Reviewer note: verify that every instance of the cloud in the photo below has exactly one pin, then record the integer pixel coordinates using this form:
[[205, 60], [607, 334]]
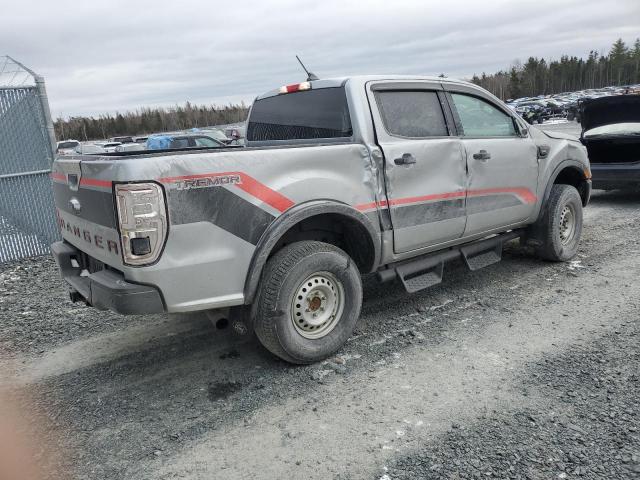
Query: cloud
[[103, 56]]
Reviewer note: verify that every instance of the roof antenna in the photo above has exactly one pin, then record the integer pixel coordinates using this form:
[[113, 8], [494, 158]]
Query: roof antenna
[[310, 75]]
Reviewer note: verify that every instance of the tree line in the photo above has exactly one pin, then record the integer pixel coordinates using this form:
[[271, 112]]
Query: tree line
[[148, 120], [621, 66]]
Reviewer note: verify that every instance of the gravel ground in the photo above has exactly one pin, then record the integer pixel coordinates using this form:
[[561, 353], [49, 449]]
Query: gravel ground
[[525, 369], [585, 427]]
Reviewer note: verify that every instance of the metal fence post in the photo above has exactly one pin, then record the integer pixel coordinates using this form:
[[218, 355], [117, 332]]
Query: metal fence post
[[44, 102]]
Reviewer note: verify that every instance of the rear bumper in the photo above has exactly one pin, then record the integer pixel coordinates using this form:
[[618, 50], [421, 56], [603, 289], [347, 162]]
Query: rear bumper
[[608, 176], [105, 289]]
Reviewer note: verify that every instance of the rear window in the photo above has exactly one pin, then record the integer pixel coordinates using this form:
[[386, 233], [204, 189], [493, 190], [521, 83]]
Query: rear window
[[311, 114], [72, 144]]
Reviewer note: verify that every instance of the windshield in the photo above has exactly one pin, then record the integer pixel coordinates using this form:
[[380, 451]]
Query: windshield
[[310, 114]]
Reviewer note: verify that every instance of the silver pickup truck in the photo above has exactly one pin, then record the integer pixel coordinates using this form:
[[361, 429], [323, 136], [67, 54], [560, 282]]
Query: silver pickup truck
[[340, 177]]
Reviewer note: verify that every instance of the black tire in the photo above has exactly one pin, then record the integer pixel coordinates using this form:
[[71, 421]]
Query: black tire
[[558, 244], [282, 283]]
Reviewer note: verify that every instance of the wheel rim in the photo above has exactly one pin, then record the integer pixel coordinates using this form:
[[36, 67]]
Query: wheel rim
[[567, 224], [317, 305]]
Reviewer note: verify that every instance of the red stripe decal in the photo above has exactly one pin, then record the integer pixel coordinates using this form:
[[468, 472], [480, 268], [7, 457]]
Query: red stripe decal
[[249, 184], [84, 182], [92, 182], [264, 193], [425, 198], [58, 177], [371, 205], [526, 195]]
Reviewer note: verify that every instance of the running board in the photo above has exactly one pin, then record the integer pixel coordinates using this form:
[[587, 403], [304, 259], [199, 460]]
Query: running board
[[414, 282], [477, 260], [425, 271]]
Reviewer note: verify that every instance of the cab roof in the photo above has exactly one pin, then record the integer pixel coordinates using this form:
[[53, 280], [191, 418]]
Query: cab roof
[[363, 79]]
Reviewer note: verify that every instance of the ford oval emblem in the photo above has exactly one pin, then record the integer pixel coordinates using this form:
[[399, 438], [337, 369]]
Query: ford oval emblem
[[75, 205]]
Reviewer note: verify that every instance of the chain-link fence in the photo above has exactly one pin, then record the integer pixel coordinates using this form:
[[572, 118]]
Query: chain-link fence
[[27, 145]]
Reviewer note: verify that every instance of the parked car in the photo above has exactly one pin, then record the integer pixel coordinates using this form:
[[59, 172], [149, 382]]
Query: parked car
[[217, 134], [173, 142], [130, 147], [531, 113], [236, 134], [108, 146], [611, 133], [89, 149], [67, 147], [340, 177], [125, 139]]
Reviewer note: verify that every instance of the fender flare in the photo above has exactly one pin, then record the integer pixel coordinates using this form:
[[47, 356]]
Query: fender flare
[[567, 163], [291, 217]]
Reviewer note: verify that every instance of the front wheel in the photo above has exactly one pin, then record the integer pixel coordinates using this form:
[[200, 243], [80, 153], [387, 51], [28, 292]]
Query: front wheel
[[561, 224], [308, 302]]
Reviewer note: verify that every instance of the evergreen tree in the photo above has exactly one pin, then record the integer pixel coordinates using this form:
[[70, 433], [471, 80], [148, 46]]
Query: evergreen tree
[[539, 76]]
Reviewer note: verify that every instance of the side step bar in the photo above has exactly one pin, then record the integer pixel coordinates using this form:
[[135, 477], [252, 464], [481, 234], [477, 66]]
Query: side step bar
[[425, 271]]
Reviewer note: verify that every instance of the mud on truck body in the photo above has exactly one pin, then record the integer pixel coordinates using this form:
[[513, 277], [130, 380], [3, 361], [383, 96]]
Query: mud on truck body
[[341, 177]]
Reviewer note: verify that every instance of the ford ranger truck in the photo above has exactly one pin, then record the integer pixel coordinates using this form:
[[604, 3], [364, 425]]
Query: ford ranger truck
[[392, 175]]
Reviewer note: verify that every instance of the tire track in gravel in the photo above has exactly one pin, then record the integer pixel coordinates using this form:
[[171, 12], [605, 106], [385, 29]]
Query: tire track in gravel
[[202, 406], [388, 409]]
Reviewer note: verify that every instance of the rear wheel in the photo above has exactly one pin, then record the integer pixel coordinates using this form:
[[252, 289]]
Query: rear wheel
[[561, 224], [308, 302]]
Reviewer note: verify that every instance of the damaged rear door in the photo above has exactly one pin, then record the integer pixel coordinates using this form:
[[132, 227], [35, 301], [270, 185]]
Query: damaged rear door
[[425, 172]]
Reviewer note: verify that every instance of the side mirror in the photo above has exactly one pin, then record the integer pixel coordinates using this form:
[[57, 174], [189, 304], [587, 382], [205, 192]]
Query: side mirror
[[524, 131]]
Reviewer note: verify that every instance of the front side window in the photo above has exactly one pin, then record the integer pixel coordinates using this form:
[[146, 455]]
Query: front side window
[[311, 114], [478, 118], [415, 114]]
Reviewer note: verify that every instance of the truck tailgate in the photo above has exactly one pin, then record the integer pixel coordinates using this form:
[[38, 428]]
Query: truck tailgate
[[85, 211]]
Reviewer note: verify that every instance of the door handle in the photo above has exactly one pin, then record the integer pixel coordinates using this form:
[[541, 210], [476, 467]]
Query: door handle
[[482, 155], [405, 159]]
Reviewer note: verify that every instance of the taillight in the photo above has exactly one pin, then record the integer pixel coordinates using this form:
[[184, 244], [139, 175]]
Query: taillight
[[143, 221], [296, 87]]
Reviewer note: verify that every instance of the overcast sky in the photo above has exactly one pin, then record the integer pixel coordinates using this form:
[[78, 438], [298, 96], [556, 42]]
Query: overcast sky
[[107, 55]]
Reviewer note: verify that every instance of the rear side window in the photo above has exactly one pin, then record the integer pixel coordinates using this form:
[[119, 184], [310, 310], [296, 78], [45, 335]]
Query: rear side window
[[310, 114], [479, 118], [416, 114]]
